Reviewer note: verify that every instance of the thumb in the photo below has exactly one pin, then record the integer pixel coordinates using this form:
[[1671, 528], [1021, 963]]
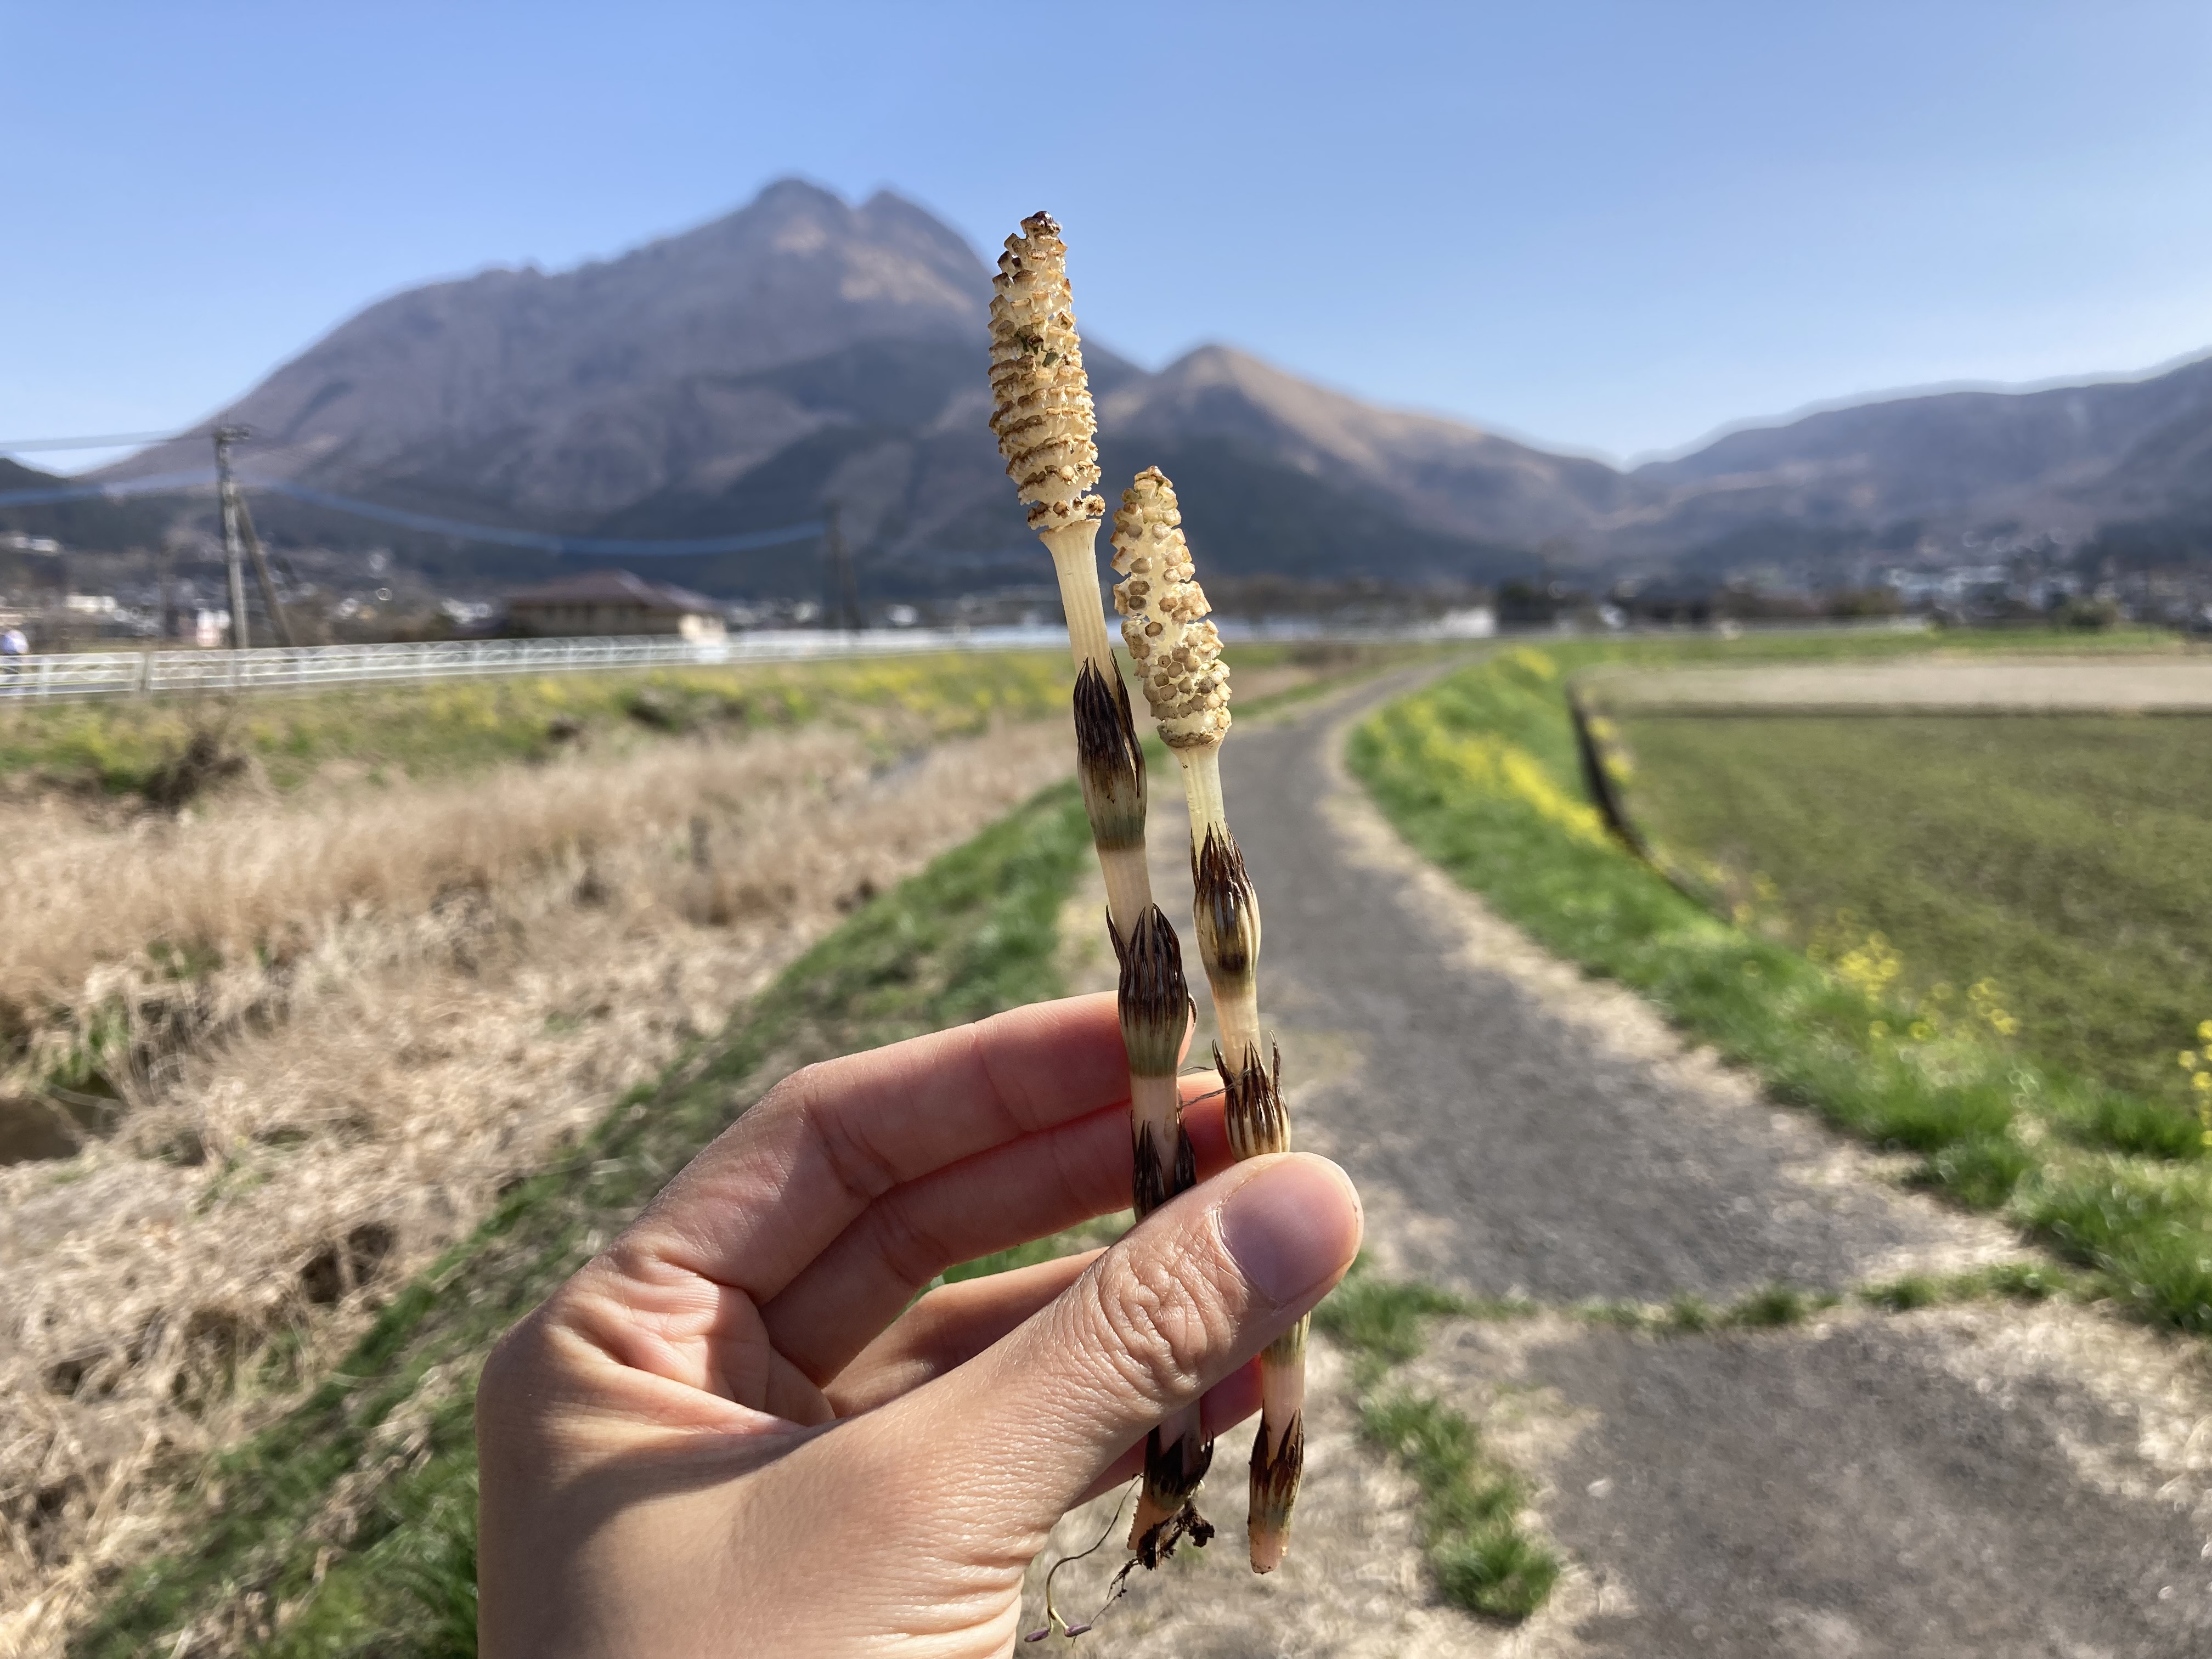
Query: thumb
[[1189, 1296]]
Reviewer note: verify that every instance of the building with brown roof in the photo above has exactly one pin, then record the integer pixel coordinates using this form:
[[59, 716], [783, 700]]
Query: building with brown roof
[[613, 602]]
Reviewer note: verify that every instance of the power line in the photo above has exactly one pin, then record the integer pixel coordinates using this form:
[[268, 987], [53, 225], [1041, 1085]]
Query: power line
[[542, 541], [159, 483], [106, 441]]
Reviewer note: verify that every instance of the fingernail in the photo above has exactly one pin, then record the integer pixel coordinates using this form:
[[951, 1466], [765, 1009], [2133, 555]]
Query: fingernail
[[1285, 1227]]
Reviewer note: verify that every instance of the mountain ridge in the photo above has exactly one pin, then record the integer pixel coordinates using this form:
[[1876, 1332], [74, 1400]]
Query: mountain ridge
[[802, 350]]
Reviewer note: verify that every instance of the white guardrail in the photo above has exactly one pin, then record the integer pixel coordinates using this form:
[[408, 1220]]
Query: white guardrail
[[125, 673], [130, 674]]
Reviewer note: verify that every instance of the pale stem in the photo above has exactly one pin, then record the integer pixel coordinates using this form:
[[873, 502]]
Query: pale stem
[[1128, 886], [1282, 1379], [1075, 560], [1154, 1104], [1202, 790]]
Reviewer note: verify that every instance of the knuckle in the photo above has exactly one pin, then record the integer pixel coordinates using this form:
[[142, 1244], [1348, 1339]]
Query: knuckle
[[503, 1385], [841, 1138], [796, 1093], [913, 1250], [1160, 1318]]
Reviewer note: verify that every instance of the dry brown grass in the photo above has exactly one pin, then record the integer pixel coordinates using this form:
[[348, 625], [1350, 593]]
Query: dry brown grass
[[422, 993]]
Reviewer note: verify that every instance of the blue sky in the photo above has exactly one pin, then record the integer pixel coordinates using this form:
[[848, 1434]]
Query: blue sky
[[1609, 226]]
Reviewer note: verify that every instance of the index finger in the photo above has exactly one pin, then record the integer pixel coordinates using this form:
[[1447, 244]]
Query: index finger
[[783, 1182]]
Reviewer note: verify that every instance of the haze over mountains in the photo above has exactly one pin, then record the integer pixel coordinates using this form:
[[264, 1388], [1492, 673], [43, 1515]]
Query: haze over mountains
[[803, 350]]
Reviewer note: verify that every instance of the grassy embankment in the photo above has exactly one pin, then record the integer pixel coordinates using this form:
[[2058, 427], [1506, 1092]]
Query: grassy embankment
[[278, 1559], [1479, 773], [429, 730], [347, 1527]]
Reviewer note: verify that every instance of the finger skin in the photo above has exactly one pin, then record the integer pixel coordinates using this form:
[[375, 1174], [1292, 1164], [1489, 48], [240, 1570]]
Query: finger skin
[[791, 1175], [624, 1513], [1147, 1328], [1026, 1189], [948, 1328], [955, 1322]]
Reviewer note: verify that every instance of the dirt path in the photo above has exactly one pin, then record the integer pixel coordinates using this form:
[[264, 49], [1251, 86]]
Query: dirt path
[[1991, 1479]]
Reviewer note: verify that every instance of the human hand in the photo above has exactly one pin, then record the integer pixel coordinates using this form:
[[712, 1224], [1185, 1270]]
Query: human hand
[[730, 1434]]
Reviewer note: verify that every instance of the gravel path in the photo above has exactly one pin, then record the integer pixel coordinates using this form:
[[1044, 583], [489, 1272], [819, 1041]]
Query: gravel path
[[1988, 1479]]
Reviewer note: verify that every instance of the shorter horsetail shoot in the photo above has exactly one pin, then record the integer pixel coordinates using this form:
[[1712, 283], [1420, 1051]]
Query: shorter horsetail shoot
[[1177, 651]]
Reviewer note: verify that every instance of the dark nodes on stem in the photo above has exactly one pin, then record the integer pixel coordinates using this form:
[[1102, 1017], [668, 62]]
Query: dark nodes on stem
[[1275, 1478], [1109, 761], [1172, 1472], [1155, 998], [1227, 911], [1253, 1109]]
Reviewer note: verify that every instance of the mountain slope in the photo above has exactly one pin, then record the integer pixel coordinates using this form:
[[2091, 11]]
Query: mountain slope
[[88, 523], [800, 351], [550, 396], [1452, 478], [2064, 460]]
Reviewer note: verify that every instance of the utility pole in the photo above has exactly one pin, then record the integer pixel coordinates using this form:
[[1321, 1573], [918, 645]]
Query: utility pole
[[169, 591], [238, 537], [226, 491], [842, 600]]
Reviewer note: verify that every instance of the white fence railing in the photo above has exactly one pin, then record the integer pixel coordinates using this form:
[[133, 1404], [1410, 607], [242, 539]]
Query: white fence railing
[[118, 673]]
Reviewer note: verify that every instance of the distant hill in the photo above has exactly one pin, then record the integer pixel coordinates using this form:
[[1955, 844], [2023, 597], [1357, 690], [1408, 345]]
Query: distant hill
[[93, 523], [2067, 460], [739, 375], [801, 351]]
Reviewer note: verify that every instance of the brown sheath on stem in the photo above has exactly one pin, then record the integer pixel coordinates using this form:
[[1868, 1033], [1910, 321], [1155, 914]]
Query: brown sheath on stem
[[1155, 1004]]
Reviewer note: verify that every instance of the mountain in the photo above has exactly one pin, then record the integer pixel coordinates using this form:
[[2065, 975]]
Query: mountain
[[803, 350], [85, 523], [2066, 461], [1442, 478], [566, 396]]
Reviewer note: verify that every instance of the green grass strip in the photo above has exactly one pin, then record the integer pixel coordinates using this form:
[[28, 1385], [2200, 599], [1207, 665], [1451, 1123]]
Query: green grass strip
[[1479, 774], [1471, 1504], [277, 1563]]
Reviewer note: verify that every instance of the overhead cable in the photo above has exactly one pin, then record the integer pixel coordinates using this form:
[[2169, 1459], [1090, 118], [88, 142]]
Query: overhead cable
[[498, 535]]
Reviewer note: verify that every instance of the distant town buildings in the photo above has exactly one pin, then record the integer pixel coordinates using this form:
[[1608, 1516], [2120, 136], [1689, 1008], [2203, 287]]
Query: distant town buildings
[[602, 602]]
